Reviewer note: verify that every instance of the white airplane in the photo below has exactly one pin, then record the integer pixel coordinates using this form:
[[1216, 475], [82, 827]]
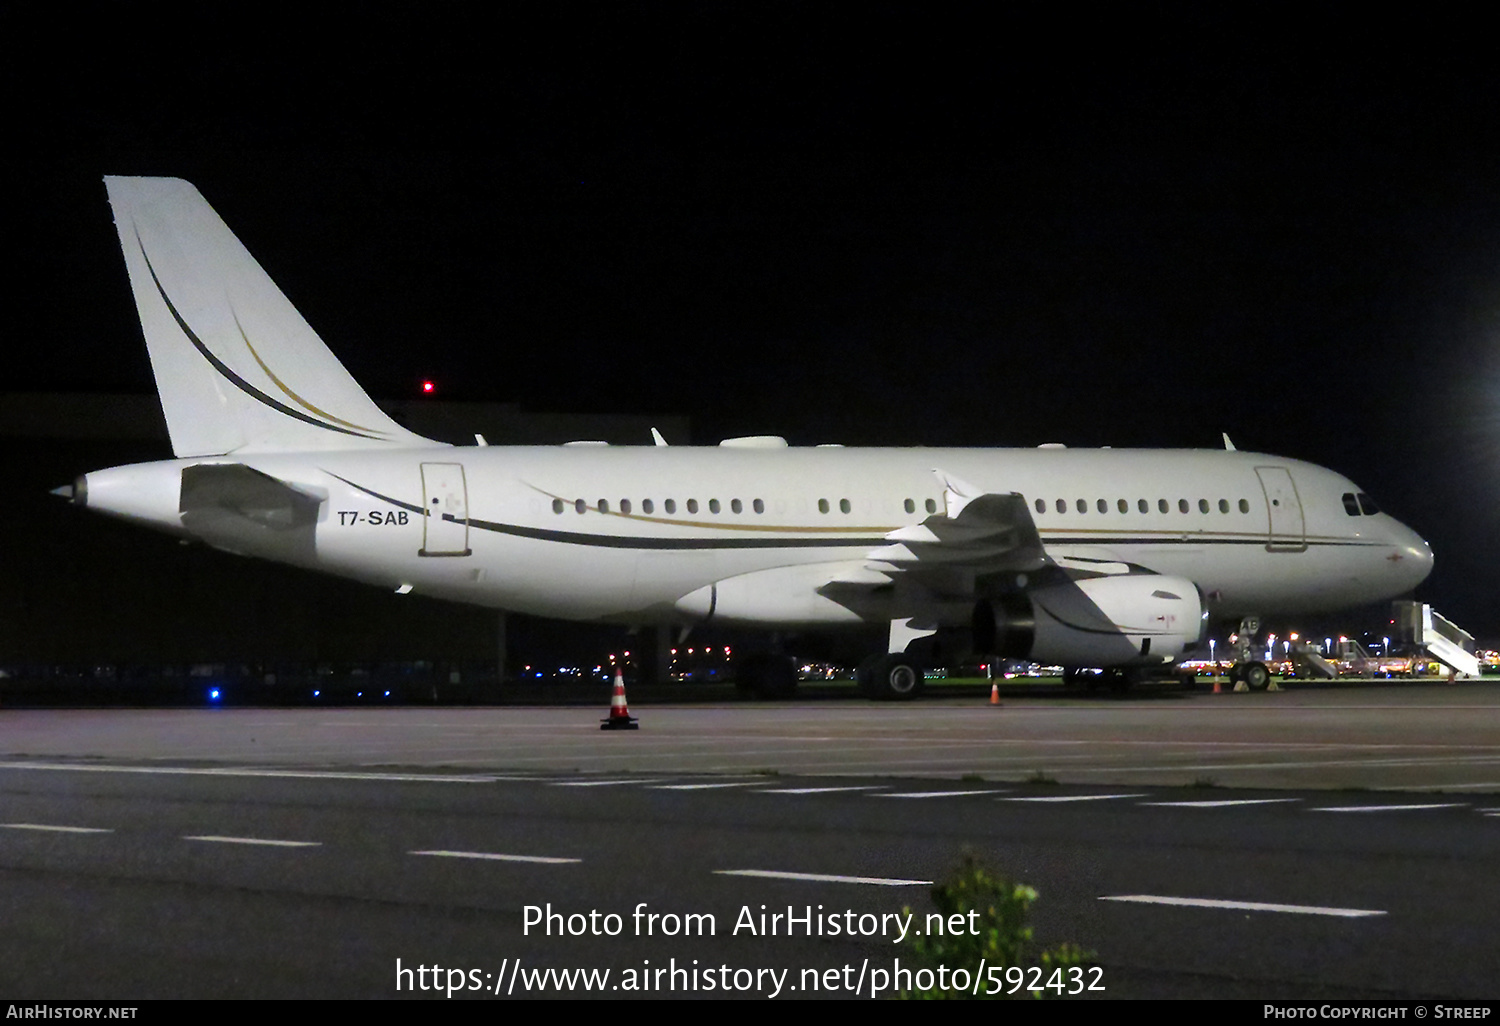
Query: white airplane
[[1101, 558]]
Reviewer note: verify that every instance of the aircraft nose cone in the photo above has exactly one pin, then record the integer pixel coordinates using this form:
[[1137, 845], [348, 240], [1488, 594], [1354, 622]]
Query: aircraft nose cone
[[1412, 555]]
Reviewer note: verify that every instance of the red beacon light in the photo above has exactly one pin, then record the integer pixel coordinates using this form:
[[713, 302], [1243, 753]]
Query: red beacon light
[[428, 387]]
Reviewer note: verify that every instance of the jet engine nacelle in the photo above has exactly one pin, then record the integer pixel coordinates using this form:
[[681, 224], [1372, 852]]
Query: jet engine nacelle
[[1130, 620]]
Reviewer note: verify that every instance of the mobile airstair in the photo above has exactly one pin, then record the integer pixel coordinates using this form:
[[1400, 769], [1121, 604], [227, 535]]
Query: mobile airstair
[[1442, 639]]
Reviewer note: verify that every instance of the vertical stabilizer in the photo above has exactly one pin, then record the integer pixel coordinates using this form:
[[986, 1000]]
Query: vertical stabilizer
[[237, 368]]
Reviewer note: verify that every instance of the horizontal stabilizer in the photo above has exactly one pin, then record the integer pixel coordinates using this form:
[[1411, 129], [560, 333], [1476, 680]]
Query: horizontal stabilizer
[[235, 507]]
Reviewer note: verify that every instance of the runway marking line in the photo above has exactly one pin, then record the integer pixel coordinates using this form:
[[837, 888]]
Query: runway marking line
[[1388, 808], [1221, 803], [193, 771], [56, 829], [772, 874], [818, 790], [496, 857], [602, 783], [936, 794], [1245, 906], [254, 840], [702, 787], [1071, 798]]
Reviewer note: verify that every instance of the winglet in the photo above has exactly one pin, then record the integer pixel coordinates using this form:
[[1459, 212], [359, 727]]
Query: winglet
[[1228, 445], [657, 438], [957, 493]]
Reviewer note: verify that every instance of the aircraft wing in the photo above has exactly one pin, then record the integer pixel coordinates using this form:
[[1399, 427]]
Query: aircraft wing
[[977, 546]]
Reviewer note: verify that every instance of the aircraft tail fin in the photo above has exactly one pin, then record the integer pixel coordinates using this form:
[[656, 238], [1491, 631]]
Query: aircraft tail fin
[[237, 368]]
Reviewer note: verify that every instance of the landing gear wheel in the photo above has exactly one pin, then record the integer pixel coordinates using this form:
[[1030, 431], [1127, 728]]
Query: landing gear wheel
[[1256, 676], [896, 677]]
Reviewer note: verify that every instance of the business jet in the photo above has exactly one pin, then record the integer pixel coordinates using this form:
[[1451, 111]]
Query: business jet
[[1101, 559]]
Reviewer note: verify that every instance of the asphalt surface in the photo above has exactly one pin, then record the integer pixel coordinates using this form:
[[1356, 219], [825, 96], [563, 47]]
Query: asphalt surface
[[294, 854]]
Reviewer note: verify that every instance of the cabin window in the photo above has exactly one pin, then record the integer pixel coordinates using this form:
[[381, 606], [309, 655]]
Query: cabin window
[[1062, 505], [1202, 505], [1143, 506], [624, 505], [1102, 506], [736, 506], [932, 505], [1041, 505], [603, 505], [1244, 505], [1083, 505], [713, 505], [1367, 505], [758, 506], [647, 506], [557, 505], [1161, 505], [1182, 505], [1123, 506], [843, 505], [822, 505], [1223, 505], [670, 505], [911, 507], [692, 505], [580, 505]]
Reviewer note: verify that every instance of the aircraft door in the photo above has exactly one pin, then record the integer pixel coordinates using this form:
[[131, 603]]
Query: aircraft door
[[445, 522], [1287, 528]]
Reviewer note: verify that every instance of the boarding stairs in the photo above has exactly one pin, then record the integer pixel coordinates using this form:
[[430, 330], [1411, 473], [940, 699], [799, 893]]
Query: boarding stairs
[[1310, 662], [1440, 638]]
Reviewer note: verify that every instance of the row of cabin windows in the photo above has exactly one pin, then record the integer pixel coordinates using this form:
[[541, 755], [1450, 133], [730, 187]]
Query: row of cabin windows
[[1142, 505], [1359, 505], [648, 506], [735, 506]]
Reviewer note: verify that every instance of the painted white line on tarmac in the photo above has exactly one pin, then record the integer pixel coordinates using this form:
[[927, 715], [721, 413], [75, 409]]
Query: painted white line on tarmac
[[1245, 906], [1388, 808], [818, 790], [56, 829], [936, 794], [255, 840], [193, 771], [602, 783], [1072, 798], [496, 857], [1221, 804], [702, 787], [771, 874]]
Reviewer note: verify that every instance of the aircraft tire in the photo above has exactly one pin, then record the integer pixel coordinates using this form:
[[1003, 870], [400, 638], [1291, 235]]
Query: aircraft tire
[[1256, 676], [896, 678]]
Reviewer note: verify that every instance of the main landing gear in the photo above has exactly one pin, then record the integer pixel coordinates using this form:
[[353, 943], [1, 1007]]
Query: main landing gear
[[895, 676]]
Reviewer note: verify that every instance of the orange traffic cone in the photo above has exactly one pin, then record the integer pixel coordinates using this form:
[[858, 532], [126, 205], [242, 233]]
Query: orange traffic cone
[[619, 715], [994, 693]]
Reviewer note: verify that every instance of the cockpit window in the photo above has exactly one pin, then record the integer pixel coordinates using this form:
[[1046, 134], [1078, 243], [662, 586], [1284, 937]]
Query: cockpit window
[[1351, 505], [1367, 505]]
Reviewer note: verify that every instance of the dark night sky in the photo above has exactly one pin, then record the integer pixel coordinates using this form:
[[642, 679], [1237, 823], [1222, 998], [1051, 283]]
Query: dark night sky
[[858, 223]]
